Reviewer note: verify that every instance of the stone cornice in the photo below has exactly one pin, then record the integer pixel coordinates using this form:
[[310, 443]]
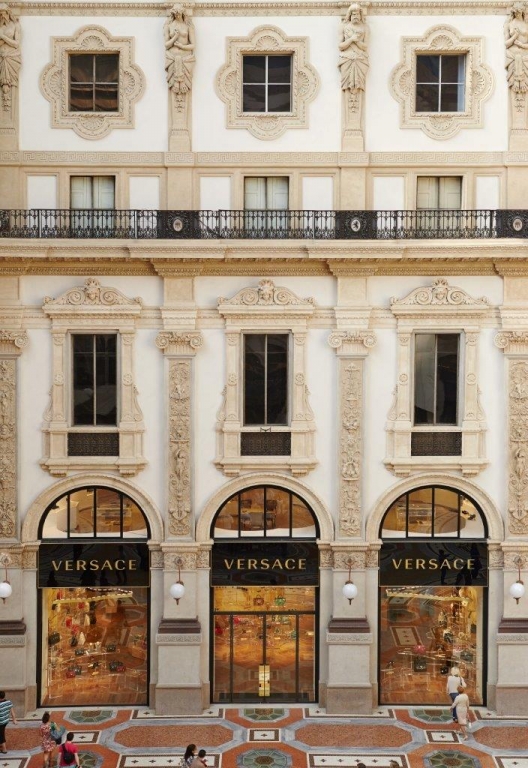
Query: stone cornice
[[277, 8]]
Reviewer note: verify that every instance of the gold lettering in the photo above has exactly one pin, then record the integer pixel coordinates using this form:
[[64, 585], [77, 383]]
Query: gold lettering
[[132, 565], [81, 565], [68, 565], [470, 563], [107, 566], [252, 564], [302, 563], [458, 560], [445, 564], [420, 564], [265, 564], [120, 567], [55, 566], [277, 564], [241, 563], [94, 565], [229, 564], [408, 563], [289, 564], [396, 564], [433, 564]]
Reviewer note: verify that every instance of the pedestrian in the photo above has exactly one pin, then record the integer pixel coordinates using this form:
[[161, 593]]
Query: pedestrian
[[462, 707], [68, 753], [48, 742], [190, 753], [200, 761], [453, 682], [6, 711]]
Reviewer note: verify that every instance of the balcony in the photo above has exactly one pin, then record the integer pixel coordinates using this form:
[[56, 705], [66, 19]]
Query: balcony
[[263, 225]]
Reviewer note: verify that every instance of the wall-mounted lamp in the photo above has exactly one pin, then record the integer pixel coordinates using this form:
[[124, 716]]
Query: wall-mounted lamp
[[6, 590], [517, 590], [349, 588], [177, 589]]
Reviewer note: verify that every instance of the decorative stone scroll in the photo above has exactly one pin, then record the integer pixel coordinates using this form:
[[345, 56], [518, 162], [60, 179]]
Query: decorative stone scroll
[[10, 63], [11, 345], [179, 41], [180, 347], [353, 64], [352, 347]]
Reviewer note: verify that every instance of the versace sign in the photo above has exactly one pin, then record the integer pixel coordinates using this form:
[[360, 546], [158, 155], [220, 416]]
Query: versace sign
[[282, 563], [459, 564], [78, 564]]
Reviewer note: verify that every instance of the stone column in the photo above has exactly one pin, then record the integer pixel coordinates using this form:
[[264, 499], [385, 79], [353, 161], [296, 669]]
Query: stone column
[[353, 64], [179, 42]]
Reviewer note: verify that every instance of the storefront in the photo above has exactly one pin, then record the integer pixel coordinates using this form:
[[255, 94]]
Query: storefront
[[433, 580], [264, 584], [93, 579]]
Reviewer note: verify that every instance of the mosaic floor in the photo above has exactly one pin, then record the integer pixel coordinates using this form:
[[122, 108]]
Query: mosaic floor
[[258, 737]]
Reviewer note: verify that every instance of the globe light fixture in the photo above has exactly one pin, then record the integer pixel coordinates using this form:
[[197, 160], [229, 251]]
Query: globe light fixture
[[6, 590], [349, 588], [517, 589], [177, 589]]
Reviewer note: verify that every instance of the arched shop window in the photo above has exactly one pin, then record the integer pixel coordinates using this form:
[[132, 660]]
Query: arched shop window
[[433, 579], [265, 512], [93, 513], [434, 511]]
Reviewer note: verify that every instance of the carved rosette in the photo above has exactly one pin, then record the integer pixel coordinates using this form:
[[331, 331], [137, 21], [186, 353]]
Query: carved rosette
[[187, 561], [11, 345], [180, 523], [356, 560]]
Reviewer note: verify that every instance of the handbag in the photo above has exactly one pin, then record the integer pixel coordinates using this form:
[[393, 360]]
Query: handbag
[[54, 638], [57, 732], [73, 641]]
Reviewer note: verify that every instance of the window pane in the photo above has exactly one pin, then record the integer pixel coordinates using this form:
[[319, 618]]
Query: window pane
[[427, 69], [107, 68], [108, 512], [279, 69], [254, 69], [452, 69], [106, 373], [254, 378], [279, 98], [83, 379], [471, 524], [420, 512], [106, 98], [226, 523], [81, 68], [81, 98], [277, 512], [424, 378], [81, 513], [254, 98], [445, 513], [427, 98], [134, 523], [394, 521], [56, 522], [302, 519], [447, 379], [277, 382], [252, 512], [452, 99]]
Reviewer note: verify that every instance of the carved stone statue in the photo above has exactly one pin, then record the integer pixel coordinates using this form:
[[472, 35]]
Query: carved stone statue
[[516, 35], [179, 38], [10, 57], [353, 57]]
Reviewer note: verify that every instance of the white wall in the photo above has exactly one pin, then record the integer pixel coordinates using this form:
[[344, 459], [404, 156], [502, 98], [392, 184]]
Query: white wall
[[144, 192], [487, 192], [209, 112], [318, 193], [388, 193], [215, 193], [41, 192], [151, 126], [382, 114]]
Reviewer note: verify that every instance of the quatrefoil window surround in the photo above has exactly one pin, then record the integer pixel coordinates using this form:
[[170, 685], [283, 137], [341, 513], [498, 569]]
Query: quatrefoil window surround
[[54, 82], [478, 82], [267, 40]]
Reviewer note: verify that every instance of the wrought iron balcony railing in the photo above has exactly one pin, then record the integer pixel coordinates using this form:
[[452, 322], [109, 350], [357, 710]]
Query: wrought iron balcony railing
[[263, 225]]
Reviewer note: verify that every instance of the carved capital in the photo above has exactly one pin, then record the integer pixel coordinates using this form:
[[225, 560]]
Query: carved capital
[[515, 342], [12, 342], [179, 343], [352, 342]]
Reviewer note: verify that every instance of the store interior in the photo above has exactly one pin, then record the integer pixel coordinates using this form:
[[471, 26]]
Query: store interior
[[424, 633], [94, 646]]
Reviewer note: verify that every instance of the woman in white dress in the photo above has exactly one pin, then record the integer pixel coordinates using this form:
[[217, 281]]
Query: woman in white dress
[[462, 708]]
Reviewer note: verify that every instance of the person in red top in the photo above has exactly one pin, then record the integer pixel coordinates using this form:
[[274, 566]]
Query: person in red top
[[68, 754]]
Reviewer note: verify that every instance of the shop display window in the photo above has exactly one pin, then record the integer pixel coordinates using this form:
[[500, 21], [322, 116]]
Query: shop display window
[[94, 646]]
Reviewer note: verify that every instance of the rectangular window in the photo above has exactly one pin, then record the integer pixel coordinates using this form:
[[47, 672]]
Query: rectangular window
[[439, 192], [263, 193], [266, 83], [92, 193], [94, 379], [266, 379], [94, 82], [440, 83], [436, 361]]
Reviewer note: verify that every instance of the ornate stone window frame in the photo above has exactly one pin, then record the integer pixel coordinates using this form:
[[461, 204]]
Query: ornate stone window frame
[[439, 308], [479, 82], [267, 39], [92, 308], [55, 87], [274, 309]]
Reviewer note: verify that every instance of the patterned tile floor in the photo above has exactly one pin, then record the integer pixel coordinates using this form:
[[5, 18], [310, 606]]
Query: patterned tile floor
[[260, 737]]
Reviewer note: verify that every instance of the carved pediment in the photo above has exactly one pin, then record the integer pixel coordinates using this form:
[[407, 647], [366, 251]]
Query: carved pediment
[[89, 296], [438, 295], [266, 294]]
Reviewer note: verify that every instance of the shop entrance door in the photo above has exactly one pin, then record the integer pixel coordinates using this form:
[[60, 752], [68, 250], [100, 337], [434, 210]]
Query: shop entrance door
[[264, 655]]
